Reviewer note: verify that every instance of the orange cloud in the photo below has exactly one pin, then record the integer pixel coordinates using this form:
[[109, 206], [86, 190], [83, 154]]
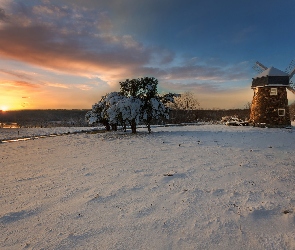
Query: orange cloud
[[18, 84]]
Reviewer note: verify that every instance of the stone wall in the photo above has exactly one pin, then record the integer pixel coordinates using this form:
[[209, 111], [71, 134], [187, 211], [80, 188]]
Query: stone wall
[[265, 107]]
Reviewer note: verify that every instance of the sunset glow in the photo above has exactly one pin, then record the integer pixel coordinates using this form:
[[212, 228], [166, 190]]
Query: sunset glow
[[67, 54], [4, 108]]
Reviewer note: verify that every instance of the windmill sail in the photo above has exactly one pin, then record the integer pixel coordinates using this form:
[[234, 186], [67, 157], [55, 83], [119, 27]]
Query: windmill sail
[[259, 67], [291, 71], [290, 67], [291, 89], [291, 74]]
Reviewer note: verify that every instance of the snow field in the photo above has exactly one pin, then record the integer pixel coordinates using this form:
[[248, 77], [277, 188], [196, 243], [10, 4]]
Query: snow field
[[193, 187]]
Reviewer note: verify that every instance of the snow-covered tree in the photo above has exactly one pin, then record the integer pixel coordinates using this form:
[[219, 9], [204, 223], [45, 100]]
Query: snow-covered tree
[[98, 114], [169, 98], [153, 109], [135, 90], [152, 105], [137, 102], [125, 110]]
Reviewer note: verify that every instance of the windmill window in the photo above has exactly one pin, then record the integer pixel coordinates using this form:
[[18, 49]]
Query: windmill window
[[281, 112], [273, 91]]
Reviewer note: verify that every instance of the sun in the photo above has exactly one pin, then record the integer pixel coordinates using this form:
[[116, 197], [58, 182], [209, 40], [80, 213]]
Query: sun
[[4, 108]]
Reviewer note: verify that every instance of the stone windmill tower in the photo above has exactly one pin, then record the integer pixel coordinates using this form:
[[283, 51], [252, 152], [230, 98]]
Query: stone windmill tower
[[270, 103]]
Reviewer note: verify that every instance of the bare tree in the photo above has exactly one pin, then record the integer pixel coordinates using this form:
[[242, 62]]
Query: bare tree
[[186, 101], [248, 105]]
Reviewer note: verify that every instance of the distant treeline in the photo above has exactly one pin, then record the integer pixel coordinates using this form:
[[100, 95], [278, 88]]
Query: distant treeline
[[76, 118], [45, 118], [189, 116]]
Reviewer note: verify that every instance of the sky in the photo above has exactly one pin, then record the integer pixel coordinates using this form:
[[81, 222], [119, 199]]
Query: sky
[[66, 54]]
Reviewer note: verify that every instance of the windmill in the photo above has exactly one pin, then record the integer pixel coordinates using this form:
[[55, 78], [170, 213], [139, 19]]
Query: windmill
[[270, 103]]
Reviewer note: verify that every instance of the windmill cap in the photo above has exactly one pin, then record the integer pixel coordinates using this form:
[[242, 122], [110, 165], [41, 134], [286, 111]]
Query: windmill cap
[[271, 72]]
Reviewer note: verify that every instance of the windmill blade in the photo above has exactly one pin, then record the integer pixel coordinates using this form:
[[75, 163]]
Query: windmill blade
[[291, 89], [290, 67], [261, 66], [291, 74], [257, 69]]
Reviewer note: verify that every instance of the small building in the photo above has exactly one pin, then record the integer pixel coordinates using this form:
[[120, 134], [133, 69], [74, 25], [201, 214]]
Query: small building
[[270, 103]]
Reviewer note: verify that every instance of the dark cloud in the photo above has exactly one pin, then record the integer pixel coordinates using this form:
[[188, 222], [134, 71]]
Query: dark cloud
[[39, 45], [71, 39], [207, 72], [3, 16], [193, 72], [192, 87]]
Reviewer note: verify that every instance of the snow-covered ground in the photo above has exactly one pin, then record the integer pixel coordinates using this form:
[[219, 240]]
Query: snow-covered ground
[[190, 187], [14, 133]]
